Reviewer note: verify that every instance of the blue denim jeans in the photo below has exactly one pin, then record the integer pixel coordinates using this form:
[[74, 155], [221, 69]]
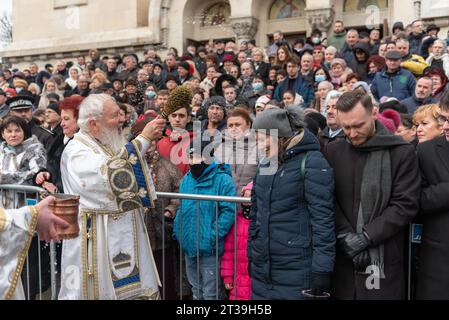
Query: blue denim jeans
[[204, 284]]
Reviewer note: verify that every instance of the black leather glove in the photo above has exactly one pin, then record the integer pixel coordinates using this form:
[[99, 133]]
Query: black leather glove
[[320, 284], [354, 243], [361, 261]]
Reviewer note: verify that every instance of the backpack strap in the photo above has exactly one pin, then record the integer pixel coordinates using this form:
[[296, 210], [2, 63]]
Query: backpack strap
[[303, 167]]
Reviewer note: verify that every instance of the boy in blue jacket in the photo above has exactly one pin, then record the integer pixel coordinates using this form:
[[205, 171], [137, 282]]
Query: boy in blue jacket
[[199, 232]]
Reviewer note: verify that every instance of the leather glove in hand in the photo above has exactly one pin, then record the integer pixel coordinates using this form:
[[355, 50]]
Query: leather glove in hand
[[354, 243]]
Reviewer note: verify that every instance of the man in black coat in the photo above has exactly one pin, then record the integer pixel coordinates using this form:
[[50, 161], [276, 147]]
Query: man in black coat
[[433, 276], [261, 68], [377, 186], [333, 131]]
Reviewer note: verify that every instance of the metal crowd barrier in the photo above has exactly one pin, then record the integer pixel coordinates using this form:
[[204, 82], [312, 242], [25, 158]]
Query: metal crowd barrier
[[199, 198], [15, 197], [27, 195]]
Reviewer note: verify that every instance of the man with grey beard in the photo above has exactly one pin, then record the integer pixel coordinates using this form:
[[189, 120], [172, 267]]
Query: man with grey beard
[[111, 259]]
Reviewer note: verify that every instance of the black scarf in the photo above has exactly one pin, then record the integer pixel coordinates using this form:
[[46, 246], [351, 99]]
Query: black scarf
[[376, 184]]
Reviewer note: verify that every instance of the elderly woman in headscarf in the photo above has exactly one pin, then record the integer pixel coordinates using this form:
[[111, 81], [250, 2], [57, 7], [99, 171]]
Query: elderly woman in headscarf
[[339, 71], [291, 242], [74, 73], [439, 58]]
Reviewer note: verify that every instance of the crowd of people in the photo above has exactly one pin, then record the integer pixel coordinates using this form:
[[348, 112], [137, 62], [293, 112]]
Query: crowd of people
[[340, 143]]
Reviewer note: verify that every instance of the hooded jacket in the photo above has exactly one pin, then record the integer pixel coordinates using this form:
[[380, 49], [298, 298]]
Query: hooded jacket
[[291, 232], [358, 66], [216, 180], [337, 40]]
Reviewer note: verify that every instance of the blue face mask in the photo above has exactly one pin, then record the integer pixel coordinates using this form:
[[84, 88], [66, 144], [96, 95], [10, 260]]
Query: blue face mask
[[151, 94], [258, 86], [18, 90], [320, 78]]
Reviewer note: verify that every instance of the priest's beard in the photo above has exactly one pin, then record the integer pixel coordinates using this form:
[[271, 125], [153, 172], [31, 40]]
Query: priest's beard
[[112, 138]]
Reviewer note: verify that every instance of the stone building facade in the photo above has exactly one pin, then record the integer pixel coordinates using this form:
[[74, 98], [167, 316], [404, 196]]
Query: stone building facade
[[61, 29]]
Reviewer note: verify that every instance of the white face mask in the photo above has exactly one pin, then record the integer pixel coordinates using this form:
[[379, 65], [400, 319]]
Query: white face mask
[[18, 90]]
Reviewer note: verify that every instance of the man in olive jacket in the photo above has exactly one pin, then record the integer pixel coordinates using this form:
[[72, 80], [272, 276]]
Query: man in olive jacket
[[377, 186]]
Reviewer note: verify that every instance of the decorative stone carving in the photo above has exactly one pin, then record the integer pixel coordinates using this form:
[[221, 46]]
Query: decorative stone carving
[[320, 19], [244, 28]]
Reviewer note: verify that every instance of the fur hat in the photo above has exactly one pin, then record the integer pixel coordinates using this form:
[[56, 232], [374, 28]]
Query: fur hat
[[215, 100], [180, 98], [20, 83]]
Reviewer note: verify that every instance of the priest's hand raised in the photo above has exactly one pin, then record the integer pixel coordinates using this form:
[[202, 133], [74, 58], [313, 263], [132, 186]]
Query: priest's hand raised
[[47, 221], [154, 130]]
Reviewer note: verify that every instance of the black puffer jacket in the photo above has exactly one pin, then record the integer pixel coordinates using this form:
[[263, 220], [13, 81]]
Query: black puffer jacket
[[291, 232]]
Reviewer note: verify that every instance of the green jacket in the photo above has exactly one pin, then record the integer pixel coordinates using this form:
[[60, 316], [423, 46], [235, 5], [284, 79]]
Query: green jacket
[[337, 40]]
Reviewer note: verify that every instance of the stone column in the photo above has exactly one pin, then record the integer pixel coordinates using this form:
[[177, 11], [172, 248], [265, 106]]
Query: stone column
[[417, 9], [320, 19], [244, 28]]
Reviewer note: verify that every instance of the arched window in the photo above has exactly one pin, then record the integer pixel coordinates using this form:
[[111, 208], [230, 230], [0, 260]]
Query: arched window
[[283, 9], [216, 15], [361, 5]]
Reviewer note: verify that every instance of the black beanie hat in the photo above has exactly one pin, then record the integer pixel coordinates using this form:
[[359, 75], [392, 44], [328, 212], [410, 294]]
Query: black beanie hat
[[54, 107]]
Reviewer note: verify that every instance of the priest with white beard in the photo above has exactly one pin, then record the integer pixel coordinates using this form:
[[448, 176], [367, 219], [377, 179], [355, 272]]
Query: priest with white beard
[[111, 259]]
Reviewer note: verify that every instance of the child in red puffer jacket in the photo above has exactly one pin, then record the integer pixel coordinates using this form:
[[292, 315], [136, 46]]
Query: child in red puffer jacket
[[228, 258]]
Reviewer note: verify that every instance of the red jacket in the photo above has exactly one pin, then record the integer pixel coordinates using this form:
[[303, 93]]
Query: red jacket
[[180, 157]]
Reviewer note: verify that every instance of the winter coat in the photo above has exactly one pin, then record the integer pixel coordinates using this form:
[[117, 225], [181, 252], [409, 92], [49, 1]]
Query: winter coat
[[241, 155], [337, 40], [216, 180], [167, 178], [347, 54], [433, 278], [400, 84], [300, 86], [19, 165], [415, 41], [43, 135], [262, 70], [357, 66], [389, 229], [325, 137], [54, 155], [413, 103], [415, 64], [444, 61], [291, 232], [227, 260]]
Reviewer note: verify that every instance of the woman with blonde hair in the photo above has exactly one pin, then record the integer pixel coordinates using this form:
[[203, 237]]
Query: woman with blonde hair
[[34, 89], [426, 122], [49, 87], [98, 79]]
